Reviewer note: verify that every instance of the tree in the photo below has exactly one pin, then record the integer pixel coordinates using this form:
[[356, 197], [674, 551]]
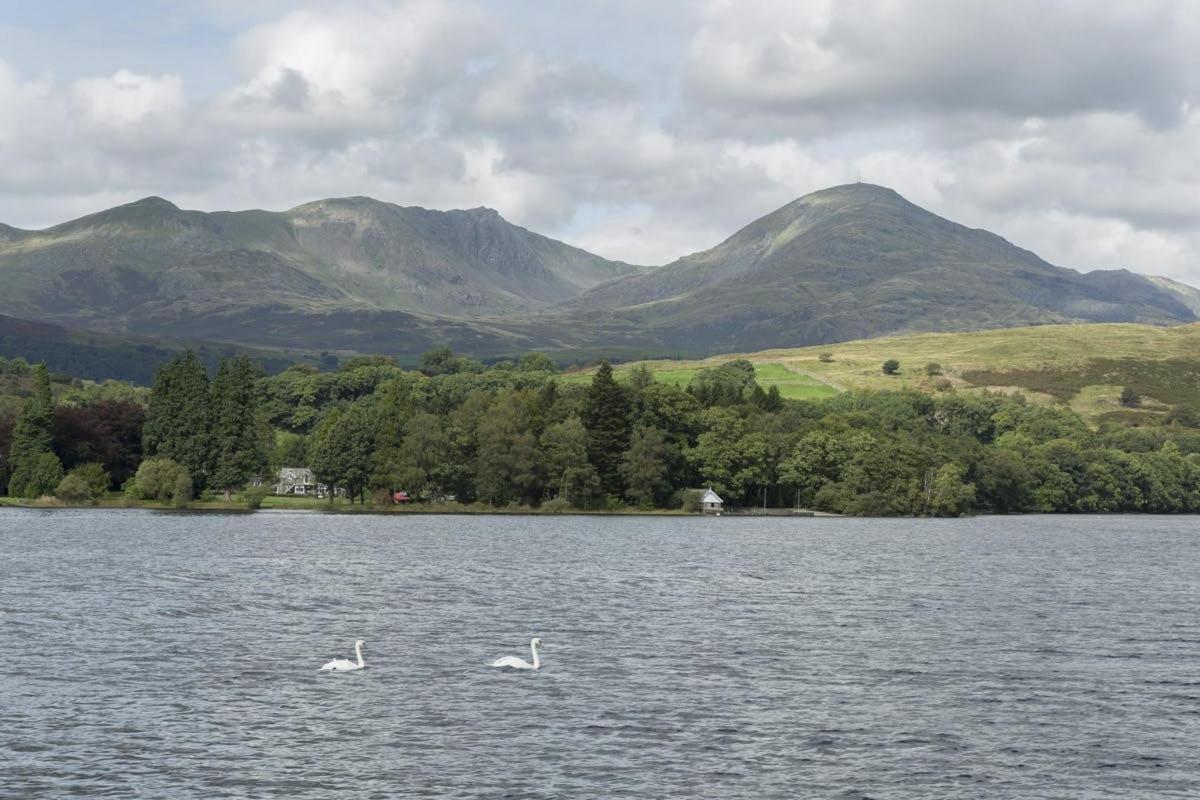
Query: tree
[[107, 432], [644, 467], [641, 376], [35, 475], [725, 385], [507, 462], [238, 442], [606, 417], [340, 449], [729, 457], [891, 366], [536, 362], [931, 369], [36, 470], [178, 417], [949, 494], [1130, 398]]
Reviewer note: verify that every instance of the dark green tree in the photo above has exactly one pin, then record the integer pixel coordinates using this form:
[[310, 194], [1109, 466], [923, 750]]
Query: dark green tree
[[340, 449], [606, 415], [1130, 398], [178, 418], [238, 443], [644, 467], [891, 366], [36, 470]]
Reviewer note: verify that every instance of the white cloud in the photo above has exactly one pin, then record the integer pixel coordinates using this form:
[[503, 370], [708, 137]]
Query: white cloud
[[1068, 127], [126, 99]]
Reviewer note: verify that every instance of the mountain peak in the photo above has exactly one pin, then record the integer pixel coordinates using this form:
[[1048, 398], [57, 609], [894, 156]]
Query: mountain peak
[[153, 201]]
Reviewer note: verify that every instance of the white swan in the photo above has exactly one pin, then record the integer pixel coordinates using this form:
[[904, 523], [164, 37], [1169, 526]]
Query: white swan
[[345, 664], [520, 663]]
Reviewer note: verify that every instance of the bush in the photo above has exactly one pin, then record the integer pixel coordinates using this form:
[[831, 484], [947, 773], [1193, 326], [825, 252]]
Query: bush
[[94, 475], [36, 476], [181, 492], [1130, 398], [933, 368], [162, 480], [825, 358], [557, 505], [253, 496], [891, 366], [689, 500], [74, 489]]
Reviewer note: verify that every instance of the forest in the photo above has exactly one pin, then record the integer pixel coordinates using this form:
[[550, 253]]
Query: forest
[[513, 434]]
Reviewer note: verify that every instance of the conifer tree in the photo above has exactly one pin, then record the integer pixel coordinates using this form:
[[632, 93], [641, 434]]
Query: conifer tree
[[178, 418], [36, 469], [238, 449], [606, 417]]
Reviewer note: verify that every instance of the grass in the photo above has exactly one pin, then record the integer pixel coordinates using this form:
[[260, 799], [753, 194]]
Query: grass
[[1048, 363], [792, 385]]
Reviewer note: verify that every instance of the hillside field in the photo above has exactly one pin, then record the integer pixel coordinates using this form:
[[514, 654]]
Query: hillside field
[[1085, 366]]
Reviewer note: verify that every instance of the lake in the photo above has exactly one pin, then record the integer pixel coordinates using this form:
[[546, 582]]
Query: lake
[[175, 655]]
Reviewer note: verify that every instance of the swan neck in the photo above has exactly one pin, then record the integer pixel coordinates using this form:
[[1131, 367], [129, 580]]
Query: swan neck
[[358, 652], [533, 649]]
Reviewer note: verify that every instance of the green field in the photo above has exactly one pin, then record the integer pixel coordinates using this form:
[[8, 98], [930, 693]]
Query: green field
[[1085, 366]]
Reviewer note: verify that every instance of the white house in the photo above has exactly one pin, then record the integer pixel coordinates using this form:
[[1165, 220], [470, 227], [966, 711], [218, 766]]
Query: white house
[[711, 503], [299, 481]]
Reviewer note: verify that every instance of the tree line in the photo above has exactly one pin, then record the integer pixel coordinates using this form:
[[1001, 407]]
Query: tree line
[[518, 433]]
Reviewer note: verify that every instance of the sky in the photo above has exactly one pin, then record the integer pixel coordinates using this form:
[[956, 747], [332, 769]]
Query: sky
[[641, 131]]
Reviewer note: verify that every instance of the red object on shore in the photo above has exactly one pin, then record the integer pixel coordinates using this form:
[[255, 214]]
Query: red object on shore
[[401, 497]]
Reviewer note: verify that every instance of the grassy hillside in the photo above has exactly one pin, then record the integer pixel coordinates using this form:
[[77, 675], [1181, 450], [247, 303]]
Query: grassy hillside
[[1085, 366]]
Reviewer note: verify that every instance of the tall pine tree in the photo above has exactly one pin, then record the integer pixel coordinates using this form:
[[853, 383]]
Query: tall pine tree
[[36, 469], [606, 415], [238, 444], [178, 417]]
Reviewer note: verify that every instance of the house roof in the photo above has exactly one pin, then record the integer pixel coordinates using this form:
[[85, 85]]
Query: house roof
[[711, 497]]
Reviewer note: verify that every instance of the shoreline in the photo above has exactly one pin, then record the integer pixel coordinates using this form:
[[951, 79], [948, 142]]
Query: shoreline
[[321, 507]]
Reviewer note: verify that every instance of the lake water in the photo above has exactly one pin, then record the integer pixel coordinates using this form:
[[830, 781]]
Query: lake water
[[175, 655]]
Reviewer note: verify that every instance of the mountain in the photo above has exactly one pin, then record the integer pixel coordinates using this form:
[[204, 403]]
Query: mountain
[[359, 275], [860, 261], [151, 267]]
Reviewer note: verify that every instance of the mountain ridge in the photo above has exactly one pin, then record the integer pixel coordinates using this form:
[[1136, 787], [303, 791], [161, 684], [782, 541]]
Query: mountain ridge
[[354, 273]]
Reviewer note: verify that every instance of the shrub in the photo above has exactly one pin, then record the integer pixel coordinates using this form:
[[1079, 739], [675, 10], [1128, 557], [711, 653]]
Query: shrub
[[94, 475], [74, 489], [933, 368], [253, 496], [1130, 398], [689, 500], [557, 505], [891, 366], [163, 480], [825, 358], [181, 492]]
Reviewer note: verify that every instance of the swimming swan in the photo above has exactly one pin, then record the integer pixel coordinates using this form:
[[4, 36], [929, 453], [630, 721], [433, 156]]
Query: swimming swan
[[345, 664], [520, 663]]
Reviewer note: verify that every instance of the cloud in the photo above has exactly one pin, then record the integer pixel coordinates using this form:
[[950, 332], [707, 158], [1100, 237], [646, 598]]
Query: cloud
[[1069, 127], [1019, 58], [126, 99]]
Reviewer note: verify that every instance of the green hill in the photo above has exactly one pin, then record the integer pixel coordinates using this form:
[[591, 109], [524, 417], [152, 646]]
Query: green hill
[[1085, 366]]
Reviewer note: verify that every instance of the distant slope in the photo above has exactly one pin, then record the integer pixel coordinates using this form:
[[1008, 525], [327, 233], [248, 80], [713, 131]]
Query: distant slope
[[100, 357], [858, 261], [151, 267], [1084, 365], [358, 275]]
